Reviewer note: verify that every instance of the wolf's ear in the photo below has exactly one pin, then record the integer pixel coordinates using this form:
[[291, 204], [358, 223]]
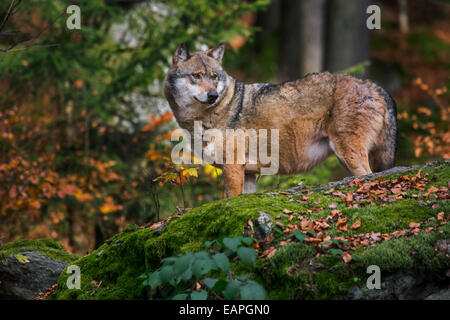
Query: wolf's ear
[[181, 54], [217, 52]]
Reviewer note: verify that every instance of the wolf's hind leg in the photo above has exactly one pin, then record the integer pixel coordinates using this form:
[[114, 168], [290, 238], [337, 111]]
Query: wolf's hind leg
[[234, 179], [353, 157], [250, 183]]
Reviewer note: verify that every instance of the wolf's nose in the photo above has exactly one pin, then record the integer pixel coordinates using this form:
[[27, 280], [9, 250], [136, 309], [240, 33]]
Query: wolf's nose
[[212, 96]]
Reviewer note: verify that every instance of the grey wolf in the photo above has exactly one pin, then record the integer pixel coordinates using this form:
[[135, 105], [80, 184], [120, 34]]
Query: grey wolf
[[317, 115]]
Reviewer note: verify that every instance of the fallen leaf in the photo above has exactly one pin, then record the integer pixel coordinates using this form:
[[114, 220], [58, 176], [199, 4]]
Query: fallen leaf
[[333, 205], [356, 225], [342, 224], [414, 225], [347, 257]]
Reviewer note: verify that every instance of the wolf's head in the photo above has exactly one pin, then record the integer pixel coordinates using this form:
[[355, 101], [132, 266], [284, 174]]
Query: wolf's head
[[196, 79]]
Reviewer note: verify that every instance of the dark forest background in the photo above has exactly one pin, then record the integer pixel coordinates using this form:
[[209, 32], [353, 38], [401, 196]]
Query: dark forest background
[[85, 130]]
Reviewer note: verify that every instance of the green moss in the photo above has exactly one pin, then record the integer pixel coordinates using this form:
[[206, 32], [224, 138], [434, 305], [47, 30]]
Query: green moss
[[47, 247], [223, 218], [291, 254], [293, 272], [391, 217], [416, 252], [117, 264]]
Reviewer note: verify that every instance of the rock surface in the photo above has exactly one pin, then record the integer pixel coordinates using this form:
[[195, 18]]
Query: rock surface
[[28, 267], [26, 278], [414, 265]]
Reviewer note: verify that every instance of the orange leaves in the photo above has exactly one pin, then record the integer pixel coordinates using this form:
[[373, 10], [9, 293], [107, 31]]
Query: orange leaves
[[270, 252], [431, 189], [342, 224], [34, 204], [109, 206], [348, 199], [153, 155], [78, 83], [66, 189], [356, 225], [414, 225], [347, 257], [433, 134], [375, 191], [156, 121]]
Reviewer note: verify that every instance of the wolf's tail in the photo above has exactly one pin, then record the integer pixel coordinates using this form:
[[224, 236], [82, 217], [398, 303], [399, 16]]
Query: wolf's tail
[[383, 157]]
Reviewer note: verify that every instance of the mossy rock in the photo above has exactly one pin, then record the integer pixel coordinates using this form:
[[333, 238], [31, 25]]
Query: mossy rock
[[28, 267], [50, 248], [294, 272]]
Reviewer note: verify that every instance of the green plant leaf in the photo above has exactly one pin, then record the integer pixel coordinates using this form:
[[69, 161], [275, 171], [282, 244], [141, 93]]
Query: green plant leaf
[[199, 295], [187, 275], [201, 255], [252, 291], [336, 252], [210, 282], [356, 257], [247, 255], [220, 285], [222, 261], [154, 280], [277, 230], [300, 236], [181, 296], [247, 241], [231, 290], [166, 274], [232, 243], [143, 276], [242, 277], [209, 243], [21, 258], [182, 263], [311, 233], [201, 267]]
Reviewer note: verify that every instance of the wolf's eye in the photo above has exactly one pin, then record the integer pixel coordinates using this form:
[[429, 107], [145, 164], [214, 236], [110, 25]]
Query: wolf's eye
[[196, 75], [214, 76]]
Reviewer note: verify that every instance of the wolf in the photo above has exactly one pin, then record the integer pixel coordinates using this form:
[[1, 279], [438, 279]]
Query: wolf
[[317, 115]]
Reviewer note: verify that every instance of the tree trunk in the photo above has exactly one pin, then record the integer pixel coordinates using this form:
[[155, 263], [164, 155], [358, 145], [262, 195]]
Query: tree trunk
[[312, 30], [347, 40], [290, 40], [403, 15]]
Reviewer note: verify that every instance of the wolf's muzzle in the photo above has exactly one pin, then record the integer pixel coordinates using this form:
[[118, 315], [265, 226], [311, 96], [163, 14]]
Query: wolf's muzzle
[[212, 96]]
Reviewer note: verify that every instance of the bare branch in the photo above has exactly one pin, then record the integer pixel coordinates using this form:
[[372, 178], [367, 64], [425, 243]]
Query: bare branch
[[11, 10]]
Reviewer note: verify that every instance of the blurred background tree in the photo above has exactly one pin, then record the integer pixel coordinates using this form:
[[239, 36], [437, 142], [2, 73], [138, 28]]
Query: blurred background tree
[[85, 130]]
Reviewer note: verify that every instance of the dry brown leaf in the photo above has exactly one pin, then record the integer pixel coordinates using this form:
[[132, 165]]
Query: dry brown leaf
[[347, 257], [414, 225], [356, 225]]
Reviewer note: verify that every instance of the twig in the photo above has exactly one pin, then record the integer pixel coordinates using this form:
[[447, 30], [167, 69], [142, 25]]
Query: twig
[[214, 293], [30, 47], [9, 13], [14, 44]]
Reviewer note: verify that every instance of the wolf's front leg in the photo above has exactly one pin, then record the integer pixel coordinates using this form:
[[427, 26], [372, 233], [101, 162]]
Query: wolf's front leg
[[250, 183], [234, 179]]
